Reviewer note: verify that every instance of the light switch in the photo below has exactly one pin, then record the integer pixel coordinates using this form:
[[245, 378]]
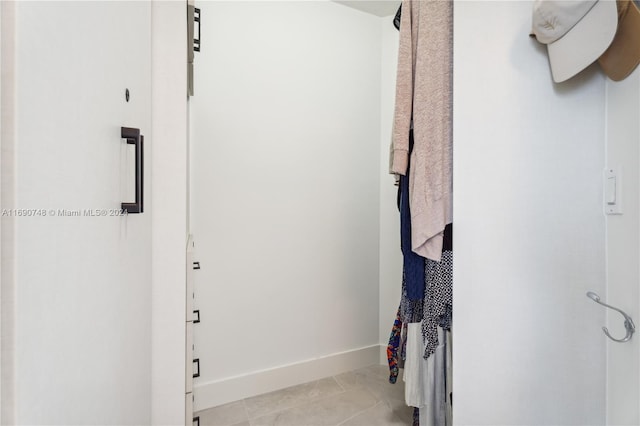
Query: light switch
[[613, 191]]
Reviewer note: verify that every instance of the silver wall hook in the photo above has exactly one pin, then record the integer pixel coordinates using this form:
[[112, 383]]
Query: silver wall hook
[[628, 322]]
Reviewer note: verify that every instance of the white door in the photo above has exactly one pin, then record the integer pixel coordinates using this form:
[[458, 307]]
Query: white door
[[623, 250], [82, 271], [530, 236]]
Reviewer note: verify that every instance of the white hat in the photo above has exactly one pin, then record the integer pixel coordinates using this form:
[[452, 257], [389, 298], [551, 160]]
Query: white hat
[[576, 32]]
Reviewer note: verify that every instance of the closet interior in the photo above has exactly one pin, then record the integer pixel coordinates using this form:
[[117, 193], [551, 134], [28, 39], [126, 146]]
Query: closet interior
[[294, 214]]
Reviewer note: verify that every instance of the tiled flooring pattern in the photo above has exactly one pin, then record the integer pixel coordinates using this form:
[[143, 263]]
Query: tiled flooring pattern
[[358, 398]]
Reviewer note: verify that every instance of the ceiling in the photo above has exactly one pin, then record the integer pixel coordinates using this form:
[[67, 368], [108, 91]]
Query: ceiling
[[376, 7]]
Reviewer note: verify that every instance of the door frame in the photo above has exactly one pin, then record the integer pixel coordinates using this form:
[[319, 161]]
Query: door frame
[[169, 228], [7, 285]]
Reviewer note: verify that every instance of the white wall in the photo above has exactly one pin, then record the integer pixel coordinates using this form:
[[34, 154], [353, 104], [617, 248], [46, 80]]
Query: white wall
[[285, 185], [623, 251], [529, 237]]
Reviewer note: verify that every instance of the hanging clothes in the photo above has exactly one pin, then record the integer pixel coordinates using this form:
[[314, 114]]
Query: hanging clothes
[[425, 379], [447, 244], [393, 347], [424, 95], [438, 299], [449, 379], [434, 411], [396, 19], [421, 155], [397, 354], [414, 368], [427, 368], [413, 263]]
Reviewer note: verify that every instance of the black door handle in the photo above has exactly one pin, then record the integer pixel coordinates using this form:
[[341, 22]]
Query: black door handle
[[197, 367], [134, 137]]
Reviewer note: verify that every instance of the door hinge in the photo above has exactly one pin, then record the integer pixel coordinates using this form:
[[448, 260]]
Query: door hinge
[[196, 20], [193, 43]]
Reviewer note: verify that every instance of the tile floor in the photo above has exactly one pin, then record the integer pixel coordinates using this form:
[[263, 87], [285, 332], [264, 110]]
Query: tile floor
[[362, 397]]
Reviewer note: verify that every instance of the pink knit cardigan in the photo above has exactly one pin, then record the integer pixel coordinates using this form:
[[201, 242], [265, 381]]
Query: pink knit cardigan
[[424, 94]]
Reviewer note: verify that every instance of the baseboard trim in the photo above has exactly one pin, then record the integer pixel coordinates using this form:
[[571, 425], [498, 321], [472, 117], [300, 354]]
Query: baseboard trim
[[231, 389]]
